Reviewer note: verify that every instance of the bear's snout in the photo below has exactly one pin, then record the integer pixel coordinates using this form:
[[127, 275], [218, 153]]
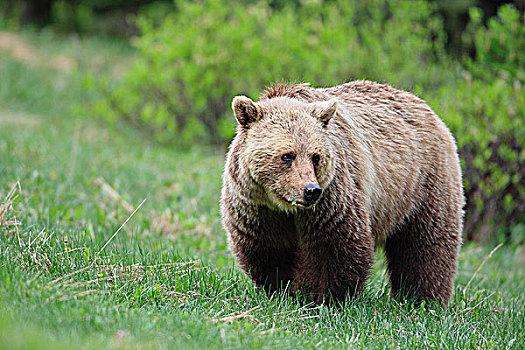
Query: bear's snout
[[311, 193]]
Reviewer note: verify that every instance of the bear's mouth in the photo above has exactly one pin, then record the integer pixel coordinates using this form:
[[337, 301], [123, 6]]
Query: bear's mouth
[[292, 203], [297, 203], [300, 204]]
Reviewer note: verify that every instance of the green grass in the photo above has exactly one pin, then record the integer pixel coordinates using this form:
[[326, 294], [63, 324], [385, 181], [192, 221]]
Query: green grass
[[167, 279]]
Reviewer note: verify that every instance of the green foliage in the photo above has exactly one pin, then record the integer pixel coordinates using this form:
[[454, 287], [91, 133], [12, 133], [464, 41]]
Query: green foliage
[[487, 119], [210, 50], [69, 17], [500, 46], [193, 63], [486, 112]]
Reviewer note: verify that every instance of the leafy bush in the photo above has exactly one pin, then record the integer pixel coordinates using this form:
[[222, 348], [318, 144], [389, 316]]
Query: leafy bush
[[210, 50], [486, 112], [70, 17], [198, 58], [500, 46], [487, 119]]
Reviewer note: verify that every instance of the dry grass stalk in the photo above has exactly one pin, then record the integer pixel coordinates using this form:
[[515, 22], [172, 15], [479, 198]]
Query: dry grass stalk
[[120, 228], [114, 195], [113, 272], [113, 278], [185, 297], [83, 293], [478, 304], [305, 308], [243, 315], [9, 225], [71, 250], [479, 269], [139, 271], [34, 255], [271, 330], [69, 275]]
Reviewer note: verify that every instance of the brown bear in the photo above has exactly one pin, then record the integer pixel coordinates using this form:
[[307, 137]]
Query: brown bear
[[315, 178]]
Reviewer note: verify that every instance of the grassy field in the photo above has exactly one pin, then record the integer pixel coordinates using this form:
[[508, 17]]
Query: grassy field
[[72, 275]]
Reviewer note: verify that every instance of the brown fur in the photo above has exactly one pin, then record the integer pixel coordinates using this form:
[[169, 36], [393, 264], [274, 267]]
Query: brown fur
[[389, 173]]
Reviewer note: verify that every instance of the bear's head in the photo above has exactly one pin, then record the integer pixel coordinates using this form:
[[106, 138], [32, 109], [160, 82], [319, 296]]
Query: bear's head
[[286, 148]]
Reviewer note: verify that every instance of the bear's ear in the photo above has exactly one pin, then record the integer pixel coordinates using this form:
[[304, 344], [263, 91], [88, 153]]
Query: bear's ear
[[245, 110], [324, 111]]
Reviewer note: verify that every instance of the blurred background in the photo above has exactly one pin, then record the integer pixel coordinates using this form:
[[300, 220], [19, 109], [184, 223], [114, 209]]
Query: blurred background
[[168, 70]]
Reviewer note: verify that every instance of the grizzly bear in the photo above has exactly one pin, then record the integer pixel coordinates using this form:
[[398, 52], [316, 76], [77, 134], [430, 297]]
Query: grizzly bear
[[315, 178]]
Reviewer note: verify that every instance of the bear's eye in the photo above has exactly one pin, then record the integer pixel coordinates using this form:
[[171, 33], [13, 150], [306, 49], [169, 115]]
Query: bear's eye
[[287, 157], [315, 159]]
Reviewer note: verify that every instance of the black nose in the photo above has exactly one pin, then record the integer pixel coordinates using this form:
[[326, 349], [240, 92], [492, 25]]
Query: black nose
[[311, 193]]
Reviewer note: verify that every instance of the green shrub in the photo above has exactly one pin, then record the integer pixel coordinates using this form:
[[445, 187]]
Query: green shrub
[[193, 63], [71, 17], [208, 51], [486, 112], [500, 46], [488, 120]]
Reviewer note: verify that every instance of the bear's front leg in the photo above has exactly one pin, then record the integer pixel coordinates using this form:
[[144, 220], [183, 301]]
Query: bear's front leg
[[336, 253], [264, 243]]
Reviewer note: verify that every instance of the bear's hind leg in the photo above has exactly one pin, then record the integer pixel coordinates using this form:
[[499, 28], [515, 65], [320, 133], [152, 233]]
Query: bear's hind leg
[[422, 254]]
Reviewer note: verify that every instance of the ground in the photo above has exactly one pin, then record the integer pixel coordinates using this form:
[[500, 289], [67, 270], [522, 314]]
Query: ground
[[167, 279]]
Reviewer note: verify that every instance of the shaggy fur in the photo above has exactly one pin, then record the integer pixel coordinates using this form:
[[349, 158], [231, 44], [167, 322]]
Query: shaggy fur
[[389, 173]]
